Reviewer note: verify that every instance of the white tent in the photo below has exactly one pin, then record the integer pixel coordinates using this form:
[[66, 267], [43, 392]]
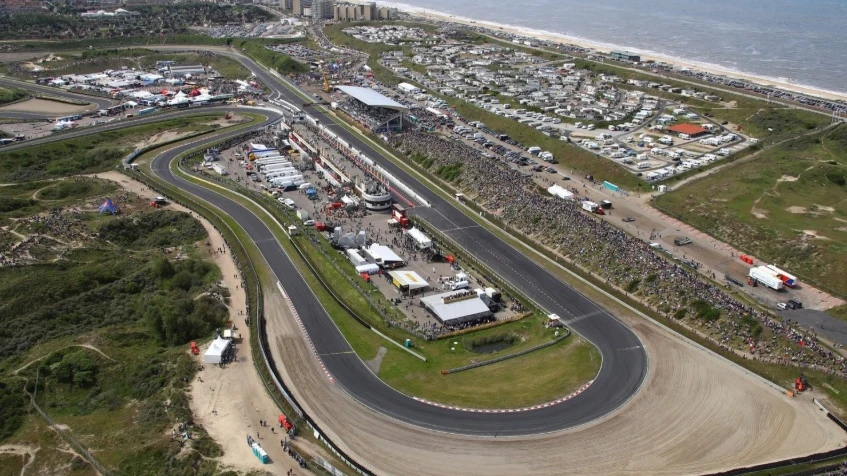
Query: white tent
[[370, 268], [561, 192], [214, 354], [421, 240]]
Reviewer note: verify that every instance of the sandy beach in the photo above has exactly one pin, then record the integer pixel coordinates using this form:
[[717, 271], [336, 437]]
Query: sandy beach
[[564, 39]]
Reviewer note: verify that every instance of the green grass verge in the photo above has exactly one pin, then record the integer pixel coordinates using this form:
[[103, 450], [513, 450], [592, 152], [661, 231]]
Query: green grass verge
[[764, 205], [11, 95], [406, 372]]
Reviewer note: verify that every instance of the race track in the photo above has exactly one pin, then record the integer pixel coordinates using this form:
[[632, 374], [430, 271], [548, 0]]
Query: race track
[[624, 359], [624, 366]]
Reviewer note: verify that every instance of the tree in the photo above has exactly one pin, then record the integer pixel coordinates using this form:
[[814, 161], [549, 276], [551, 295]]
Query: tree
[[77, 368]]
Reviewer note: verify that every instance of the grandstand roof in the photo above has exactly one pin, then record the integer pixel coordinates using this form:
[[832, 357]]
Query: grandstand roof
[[372, 98]]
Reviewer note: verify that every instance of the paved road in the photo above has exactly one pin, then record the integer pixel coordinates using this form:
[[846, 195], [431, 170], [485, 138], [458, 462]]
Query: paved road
[[624, 359], [99, 102]]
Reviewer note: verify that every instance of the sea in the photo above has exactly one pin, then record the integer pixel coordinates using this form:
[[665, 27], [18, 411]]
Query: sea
[[802, 42]]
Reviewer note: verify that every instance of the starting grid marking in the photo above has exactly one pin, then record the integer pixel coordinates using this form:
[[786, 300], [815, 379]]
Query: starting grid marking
[[508, 410], [303, 328]]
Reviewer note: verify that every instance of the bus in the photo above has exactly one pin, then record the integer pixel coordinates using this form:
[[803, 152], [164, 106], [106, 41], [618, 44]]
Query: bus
[[75, 117], [146, 111]]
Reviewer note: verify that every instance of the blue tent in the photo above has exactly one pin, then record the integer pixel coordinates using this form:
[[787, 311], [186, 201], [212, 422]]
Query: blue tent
[[108, 206]]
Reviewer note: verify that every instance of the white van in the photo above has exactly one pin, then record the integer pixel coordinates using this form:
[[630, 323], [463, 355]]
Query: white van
[[534, 150], [459, 285], [644, 165]]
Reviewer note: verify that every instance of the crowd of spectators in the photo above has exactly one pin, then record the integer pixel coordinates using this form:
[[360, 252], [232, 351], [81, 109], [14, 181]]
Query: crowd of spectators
[[618, 258]]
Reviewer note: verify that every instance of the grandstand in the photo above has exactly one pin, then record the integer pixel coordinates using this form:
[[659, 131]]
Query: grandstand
[[379, 113]]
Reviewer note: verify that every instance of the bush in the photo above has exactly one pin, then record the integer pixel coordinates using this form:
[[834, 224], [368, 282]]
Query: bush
[[178, 321], [76, 368], [13, 407], [153, 230]]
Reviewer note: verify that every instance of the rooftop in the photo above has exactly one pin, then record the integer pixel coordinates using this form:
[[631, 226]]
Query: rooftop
[[371, 97], [690, 129]]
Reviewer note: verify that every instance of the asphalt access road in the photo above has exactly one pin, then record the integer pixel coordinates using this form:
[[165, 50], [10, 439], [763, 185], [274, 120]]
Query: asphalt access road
[[100, 102]]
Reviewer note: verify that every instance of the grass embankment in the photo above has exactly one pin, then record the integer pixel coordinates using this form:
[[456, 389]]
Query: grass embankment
[[579, 361], [89, 154], [11, 95], [116, 295], [787, 206], [28, 198]]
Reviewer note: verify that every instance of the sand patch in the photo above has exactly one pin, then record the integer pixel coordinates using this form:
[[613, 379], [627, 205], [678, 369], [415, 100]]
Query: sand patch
[[796, 209], [160, 138], [375, 363], [759, 213], [46, 107], [824, 208], [787, 178], [813, 234]]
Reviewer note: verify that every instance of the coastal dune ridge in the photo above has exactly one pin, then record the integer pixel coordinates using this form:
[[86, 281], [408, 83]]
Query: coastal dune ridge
[[787, 84]]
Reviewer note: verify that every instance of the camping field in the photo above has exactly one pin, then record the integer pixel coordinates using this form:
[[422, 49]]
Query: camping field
[[787, 206]]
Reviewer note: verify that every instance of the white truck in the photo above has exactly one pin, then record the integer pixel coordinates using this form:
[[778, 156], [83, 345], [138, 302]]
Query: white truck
[[767, 277], [303, 215], [408, 88], [285, 182], [282, 173], [592, 207], [273, 168]]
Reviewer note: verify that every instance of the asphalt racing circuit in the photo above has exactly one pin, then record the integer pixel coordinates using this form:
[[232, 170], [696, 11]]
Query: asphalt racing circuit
[[694, 413], [624, 365]]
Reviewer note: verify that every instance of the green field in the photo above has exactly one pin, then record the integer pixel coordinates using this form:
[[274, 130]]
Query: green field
[[787, 206], [10, 95], [88, 154]]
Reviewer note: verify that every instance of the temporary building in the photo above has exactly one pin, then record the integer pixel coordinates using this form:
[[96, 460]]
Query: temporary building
[[456, 307], [108, 206], [561, 192], [408, 281], [422, 241], [384, 256], [216, 351]]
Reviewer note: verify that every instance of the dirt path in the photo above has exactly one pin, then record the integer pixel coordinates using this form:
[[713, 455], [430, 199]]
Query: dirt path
[[229, 402], [25, 451]]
